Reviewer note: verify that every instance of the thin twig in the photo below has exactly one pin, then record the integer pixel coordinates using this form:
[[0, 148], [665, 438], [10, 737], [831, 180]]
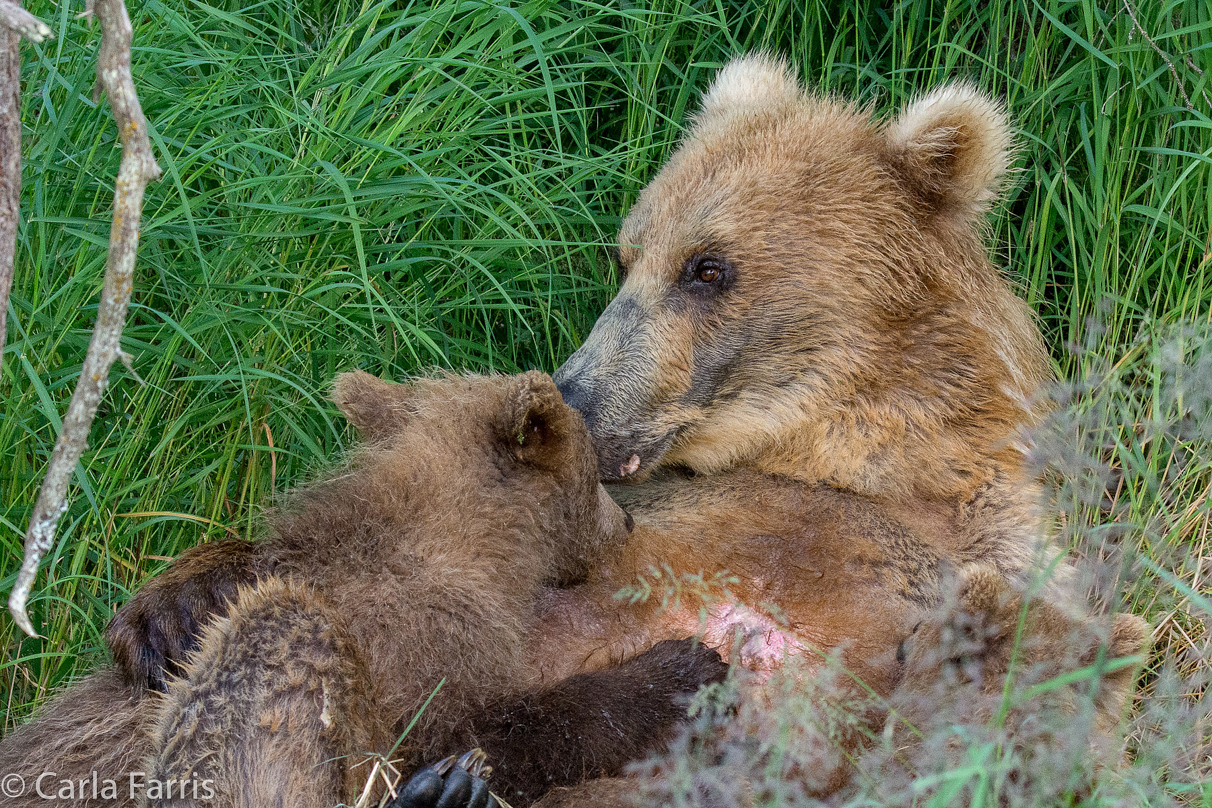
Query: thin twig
[[10, 164], [138, 167], [1165, 57], [15, 22], [1191, 64]]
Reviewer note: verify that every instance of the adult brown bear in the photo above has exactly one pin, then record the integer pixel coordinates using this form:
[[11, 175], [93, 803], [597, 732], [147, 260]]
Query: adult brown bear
[[807, 293], [812, 377]]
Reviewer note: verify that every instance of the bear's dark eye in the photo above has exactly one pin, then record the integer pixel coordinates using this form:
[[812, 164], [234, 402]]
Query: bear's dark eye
[[707, 272]]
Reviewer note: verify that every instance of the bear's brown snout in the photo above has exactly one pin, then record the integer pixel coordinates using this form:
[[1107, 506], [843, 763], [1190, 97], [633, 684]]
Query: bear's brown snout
[[614, 381]]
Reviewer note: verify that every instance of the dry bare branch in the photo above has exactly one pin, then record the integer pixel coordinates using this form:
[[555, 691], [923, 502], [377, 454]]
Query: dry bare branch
[[10, 164], [17, 19], [138, 167], [1165, 57], [15, 22]]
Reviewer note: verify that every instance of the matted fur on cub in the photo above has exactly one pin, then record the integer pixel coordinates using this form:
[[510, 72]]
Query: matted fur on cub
[[396, 595]]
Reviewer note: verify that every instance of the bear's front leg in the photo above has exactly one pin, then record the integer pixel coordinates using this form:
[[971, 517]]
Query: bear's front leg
[[591, 725]]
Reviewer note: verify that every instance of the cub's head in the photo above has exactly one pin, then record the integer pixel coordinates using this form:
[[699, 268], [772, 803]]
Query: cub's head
[[1055, 677], [485, 455], [800, 272]]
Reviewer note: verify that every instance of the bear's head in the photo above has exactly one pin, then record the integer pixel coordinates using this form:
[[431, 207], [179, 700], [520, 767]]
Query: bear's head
[[488, 456], [1044, 674], [806, 290]]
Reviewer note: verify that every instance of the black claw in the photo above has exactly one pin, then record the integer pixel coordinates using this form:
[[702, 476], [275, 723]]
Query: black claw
[[449, 783], [457, 791], [473, 761]]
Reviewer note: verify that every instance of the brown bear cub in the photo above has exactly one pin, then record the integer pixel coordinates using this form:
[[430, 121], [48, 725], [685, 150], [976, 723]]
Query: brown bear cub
[[1048, 685], [393, 599]]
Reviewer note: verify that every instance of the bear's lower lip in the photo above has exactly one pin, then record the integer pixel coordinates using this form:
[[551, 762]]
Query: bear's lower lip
[[631, 461]]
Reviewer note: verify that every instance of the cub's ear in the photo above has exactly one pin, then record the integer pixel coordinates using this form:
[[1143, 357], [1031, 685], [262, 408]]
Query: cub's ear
[[535, 422], [983, 590], [951, 149], [373, 406], [1130, 637]]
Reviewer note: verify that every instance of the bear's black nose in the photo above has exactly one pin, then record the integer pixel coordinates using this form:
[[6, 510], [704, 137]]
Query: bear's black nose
[[575, 394]]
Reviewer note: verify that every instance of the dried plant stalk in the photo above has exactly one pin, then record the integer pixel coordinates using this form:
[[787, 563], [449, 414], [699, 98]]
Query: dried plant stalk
[[138, 167], [15, 22], [16, 19]]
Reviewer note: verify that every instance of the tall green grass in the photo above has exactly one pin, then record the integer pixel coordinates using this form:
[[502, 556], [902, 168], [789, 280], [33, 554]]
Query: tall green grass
[[396, 185]]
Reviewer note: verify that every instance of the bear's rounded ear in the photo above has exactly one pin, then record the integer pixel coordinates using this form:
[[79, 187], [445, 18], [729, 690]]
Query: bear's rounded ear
[[748, 84], [1130, 637], [373, 406], [951, 149], [535, 421], [983, 589]]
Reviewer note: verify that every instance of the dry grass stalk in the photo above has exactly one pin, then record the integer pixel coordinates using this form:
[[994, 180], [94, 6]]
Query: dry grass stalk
[[15, 22]]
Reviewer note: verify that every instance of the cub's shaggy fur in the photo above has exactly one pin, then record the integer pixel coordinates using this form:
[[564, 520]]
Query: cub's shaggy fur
[[416, 567]]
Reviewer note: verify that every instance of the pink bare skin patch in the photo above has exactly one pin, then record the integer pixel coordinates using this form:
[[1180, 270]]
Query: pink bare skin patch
[[743, 633], [764, 645]]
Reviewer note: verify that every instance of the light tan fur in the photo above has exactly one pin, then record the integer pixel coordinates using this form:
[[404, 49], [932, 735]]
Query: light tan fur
[[865, 339], [845, 390], [808, 299]]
